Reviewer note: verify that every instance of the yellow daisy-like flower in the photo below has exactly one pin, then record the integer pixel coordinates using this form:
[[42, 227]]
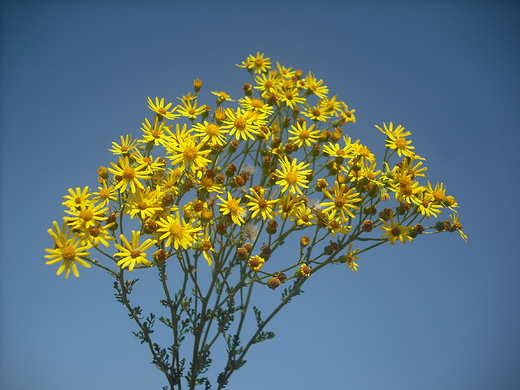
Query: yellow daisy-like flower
[[426, 206], [231, 207], [97, 234], [291, 98], [259, 205], [190, 110], [244, 124], [394, 231], [255, 104], [78, 198], [351, 258], [211, 133], [85, 217], [401, 145], [255, 263], [104, 195], [303, 136], [156, 134], [293, 175], [127, 145], [315, 86], [288, 206], [175, 230], [222, 97], [161, 109], [258, 64], [132, 253], [341, 203], [189, 154], [126, 175], [69, 251], [336, 226], [144, 203], [390, 131]]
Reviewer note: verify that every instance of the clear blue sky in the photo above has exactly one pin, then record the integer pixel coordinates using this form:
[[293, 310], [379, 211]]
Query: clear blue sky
[[433, 314]]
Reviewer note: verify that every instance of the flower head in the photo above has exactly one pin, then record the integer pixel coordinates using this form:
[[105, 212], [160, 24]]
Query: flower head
[[132, 253]]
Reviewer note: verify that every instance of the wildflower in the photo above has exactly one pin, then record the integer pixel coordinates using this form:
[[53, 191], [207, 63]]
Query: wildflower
[[341, 202], [126, 147], [351, 258], [259, 205], [305, 270], [315, 86], [390, 131], [255, 263], [244, 124], [258, 64], [292, 175], [85, 217], [162, 110], [401, 145], [69, 251], [458, 226], [96, 235], [132, 253], [189, 153], [222, 97], [77, 198], [178, 232], [156, 134], [190, 110], [211, 133], [303, 136], [104, 195], [231, 207], [126, 175], [394, 231]]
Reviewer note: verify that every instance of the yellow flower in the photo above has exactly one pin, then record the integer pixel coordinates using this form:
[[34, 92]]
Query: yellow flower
[[85, 217], [259, 205], [97, 234], [401, 145], [341, 202], [162, 110], [293, 175], [211, 133], [351, 257], [190, 109], [397, 132], [126, 147], [244, 124], [144, 203], [77, 198], [258, 64], [132, 253], [126, 175], [175, 230], [394, 231], [255, 263], [315, 86], [231, 207], [68, 250], [156, 134], [303, 135], [189, 153], [104, 195], [305, 270]]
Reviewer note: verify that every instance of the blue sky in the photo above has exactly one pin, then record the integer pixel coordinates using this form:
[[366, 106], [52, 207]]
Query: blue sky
[[433, 314]]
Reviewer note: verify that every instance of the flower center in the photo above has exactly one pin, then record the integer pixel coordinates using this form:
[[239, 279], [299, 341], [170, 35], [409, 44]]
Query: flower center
[[176, 230], [212, 129], [128, 173], [304, 134], [135, 253], [400, 143], [161, 110], [396, 232], [240, 123], [190, 152], [291, 178], [68, 253], [86, 215]]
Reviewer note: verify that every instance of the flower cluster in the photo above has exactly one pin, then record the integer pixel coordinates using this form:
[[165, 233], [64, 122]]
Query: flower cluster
[[246, 174]]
